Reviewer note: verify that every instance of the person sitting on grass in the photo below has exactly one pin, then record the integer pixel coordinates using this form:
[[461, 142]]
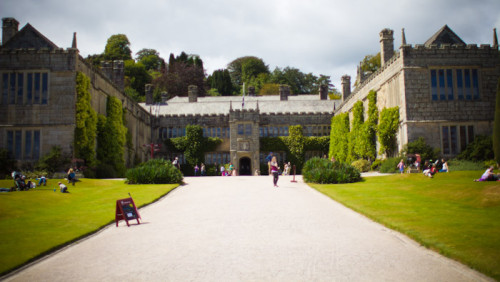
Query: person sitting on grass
[[488, 175], [42, 180], [63, 188], [71, 176], [445, 167], [430, 172]]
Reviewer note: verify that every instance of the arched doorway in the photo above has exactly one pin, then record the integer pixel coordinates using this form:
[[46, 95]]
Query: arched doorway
[[245, 166]]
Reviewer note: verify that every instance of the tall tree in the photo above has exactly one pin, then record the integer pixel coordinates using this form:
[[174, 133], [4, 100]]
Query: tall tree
[[247, 70], [136, 76], [221, 80], [182, 71], [118, 48], [150, 58]]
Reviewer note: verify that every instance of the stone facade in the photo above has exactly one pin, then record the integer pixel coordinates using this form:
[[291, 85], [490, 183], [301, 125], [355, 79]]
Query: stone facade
[[241, 122], [38, 96], [445, 93]]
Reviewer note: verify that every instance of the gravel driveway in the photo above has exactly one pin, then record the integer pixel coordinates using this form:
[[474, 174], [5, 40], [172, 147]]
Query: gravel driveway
[[244, 229]]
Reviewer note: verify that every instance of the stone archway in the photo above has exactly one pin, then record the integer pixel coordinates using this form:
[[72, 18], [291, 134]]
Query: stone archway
[[245, 166]]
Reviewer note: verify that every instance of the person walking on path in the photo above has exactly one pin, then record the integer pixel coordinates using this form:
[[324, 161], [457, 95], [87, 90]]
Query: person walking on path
[[196, 169], [203, 169], [401, 166], [275, 171]]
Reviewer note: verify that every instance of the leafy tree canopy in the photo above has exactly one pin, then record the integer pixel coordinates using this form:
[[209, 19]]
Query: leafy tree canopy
[[118, 48], [150, 58], [136, 76]]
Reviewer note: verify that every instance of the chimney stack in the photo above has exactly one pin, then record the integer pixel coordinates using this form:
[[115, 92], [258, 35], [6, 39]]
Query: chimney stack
[[251, 91], [386, 45], [346, 86], [193, 93], [149, 93], [323, 92], [284, 92], [9, 28]]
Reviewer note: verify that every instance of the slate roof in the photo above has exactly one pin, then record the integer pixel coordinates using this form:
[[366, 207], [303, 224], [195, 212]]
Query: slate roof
[[444, 36], [223, 104], [29, 38]]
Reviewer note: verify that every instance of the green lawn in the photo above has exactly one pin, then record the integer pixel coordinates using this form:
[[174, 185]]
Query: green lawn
[[38, 221], [448, 213]]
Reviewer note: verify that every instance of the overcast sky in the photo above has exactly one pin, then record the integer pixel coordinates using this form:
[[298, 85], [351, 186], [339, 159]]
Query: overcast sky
[[327, 37]]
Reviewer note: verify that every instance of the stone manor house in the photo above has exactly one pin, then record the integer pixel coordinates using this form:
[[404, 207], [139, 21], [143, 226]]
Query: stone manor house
[[445, 90]]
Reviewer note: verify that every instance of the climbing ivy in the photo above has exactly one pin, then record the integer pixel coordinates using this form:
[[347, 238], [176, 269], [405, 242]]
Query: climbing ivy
[[112, 138], [371, 126], [339, 137], [357, 140], [387, 129], [86, 122], [295, 144]]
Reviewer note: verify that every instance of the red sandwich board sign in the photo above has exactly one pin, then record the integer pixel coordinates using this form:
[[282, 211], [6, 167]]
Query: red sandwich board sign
[[126, 210]]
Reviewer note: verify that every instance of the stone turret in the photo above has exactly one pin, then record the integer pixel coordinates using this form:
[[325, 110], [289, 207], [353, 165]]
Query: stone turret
[[193, 93], [119, 74], [115, 71], [323, 92], [148, 88], [284, 92], [403, 37], [9, 28], [386, 45], [346, 87]]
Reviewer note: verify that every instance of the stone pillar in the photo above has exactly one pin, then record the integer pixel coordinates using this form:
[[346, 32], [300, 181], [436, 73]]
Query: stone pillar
[[9, 29], [251, 91], [193, 93], [149, 94], [284, 92], [346, 86], [386, 45], [323, 92], [119, 74]]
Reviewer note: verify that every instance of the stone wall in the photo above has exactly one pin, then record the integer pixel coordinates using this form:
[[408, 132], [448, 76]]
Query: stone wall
[[139, 121], [56, 119]]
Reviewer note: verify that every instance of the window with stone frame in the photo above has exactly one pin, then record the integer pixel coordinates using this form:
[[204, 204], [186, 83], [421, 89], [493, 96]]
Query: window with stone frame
[[24, 144], [24, 88], [454, 84], [454, 138]]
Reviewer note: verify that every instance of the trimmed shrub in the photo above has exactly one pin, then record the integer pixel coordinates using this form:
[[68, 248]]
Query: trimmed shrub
[[389, 165], [362, 165], [420, 147], [53, 161], [376, 164], [480, 149], [156, 171], [323, 171]]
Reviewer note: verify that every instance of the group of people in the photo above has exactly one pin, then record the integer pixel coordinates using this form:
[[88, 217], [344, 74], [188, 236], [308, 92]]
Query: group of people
[[23, 185], [200, 170], [429, 168]]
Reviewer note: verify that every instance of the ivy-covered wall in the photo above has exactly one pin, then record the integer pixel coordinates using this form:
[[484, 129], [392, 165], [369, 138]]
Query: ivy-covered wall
[[86, 122], [111, 139], [358, 140]]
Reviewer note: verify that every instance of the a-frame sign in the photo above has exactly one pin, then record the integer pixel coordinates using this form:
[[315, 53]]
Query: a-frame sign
[[126, 210]]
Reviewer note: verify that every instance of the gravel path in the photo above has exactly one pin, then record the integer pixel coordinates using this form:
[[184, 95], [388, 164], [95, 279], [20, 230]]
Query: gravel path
[[243, 229]]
